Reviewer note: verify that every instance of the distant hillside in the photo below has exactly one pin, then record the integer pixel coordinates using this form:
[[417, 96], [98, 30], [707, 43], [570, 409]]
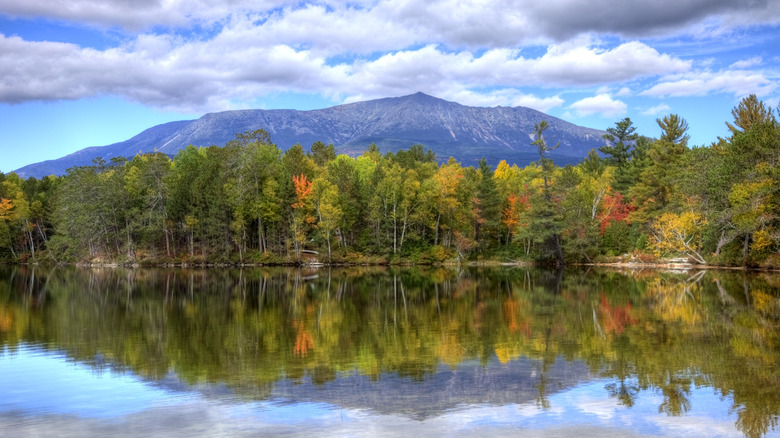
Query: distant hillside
[[447, 128]]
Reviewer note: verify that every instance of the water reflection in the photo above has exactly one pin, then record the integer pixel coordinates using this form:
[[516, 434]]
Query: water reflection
[[419, 344]]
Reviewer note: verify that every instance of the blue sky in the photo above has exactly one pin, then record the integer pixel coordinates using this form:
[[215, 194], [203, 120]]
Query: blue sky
[[95, 72]]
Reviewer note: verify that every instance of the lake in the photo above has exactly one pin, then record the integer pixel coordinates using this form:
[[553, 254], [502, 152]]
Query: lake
[[380, 351]]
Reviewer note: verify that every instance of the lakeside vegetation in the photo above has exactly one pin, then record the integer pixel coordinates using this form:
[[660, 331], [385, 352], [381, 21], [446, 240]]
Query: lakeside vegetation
[[249, 202]]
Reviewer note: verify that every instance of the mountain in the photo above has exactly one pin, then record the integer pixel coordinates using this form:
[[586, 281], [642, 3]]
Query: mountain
[[420, 397], [146, 141], [448, 128]]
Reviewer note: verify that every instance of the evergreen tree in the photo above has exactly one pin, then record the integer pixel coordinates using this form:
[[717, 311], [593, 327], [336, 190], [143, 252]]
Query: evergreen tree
[[749, 111], [488, 203], [544, 220], [593, 163], [620, 137], [321, 154], [654, 192], [619, 151]]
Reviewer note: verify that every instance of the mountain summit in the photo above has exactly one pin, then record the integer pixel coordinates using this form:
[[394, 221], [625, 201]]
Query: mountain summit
[[448, 128]]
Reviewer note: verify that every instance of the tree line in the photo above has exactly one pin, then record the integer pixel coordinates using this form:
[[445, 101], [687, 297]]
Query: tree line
[[252, 202]]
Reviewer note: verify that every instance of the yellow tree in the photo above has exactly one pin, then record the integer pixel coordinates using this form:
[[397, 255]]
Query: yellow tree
[[6, 212], [679, 233], [18, 217], [754, 212], [328, 210], [388, 197], [411, 200], [512, 214], [302, 218], [447, 180], [596, 186]]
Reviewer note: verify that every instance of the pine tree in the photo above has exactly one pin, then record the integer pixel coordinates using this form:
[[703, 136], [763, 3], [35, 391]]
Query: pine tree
[[620, 137], [489, 204]]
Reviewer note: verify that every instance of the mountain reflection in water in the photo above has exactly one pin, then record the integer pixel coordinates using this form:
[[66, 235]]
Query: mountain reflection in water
[[415, 344]]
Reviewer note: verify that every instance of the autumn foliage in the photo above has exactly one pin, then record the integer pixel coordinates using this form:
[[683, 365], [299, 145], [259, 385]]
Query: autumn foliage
[[614, 209], [255, 201], [303, 189]]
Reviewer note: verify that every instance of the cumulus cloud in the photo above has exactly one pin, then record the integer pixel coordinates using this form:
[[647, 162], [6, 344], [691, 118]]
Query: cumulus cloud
[[566, 65], [559, 66], [601, 104], [184, 78], [470, 23], [737, 82], [371, 48], [192, 76], [135, 15], [636, 18]]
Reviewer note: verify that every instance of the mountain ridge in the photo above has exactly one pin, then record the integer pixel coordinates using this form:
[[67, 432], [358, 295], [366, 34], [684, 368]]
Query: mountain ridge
[[393, 123]]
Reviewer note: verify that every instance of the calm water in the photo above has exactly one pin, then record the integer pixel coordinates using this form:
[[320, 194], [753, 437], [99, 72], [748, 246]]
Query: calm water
[[388, 352]]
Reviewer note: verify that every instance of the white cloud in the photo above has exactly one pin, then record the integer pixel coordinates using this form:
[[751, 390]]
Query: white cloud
[[195, 76], [601, 104], [655, 110], [437, 71], [461, 23], [135, 15], [190, 78], [635, 18], [747, 63], [588, 65], [539, 104], [737, 82], [375, 48], [504, 97]]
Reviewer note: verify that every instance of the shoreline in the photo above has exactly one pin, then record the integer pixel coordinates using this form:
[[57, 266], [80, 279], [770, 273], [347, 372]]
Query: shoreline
[[663, 264]]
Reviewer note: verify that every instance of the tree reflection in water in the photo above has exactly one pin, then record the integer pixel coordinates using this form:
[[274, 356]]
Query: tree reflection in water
[[252, 329]]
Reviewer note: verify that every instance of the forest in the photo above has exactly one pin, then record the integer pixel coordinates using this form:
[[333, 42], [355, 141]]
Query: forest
[[250, 202]]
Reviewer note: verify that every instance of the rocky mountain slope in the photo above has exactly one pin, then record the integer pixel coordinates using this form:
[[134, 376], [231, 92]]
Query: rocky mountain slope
[[447, 128]]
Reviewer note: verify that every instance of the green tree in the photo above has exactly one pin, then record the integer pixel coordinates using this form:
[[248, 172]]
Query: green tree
[[343, 174], [328, 211], [545, 224], [245, 138], [674, 130], [146, 191], [655, 191], [252, 187], [620, 137], [732, 179], [754, 155], [748, 112], [199, 204], [619, 152], [593, 163], [387, 201], [627, 177], [575, 209], [415, 155], [488, 206], [321, 154]]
